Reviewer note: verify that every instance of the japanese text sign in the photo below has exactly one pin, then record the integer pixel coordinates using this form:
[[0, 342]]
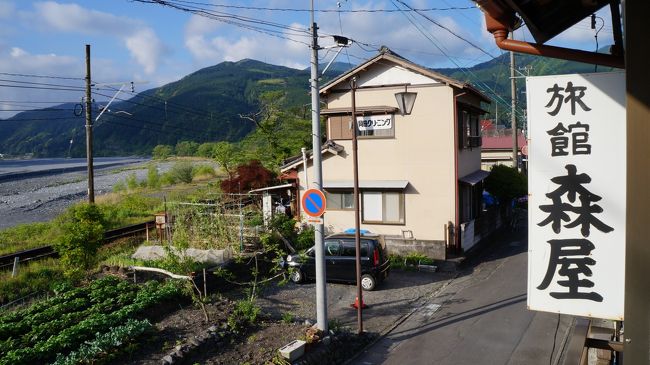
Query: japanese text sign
[[373, 122], [576, 182]]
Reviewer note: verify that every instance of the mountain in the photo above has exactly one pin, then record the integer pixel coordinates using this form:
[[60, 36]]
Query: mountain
[[205, 106], [493, 77], [202, 106]]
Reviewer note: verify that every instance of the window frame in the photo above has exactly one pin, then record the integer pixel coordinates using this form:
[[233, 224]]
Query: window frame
[[383, 221], [341, 193]]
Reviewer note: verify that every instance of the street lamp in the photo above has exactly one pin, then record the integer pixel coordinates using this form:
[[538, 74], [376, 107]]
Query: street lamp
[[405, 101]]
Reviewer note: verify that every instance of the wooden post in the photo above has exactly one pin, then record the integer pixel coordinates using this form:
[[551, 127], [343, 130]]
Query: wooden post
[[14, 272], [147, 230], [205, 286]]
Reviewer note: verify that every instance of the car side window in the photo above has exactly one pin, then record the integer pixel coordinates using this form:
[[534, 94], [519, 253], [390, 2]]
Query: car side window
[[332, 248], [349, 250]]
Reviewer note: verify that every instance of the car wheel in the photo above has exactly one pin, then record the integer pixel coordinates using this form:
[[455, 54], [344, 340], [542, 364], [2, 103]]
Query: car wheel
[[297, 276], [368, 282]]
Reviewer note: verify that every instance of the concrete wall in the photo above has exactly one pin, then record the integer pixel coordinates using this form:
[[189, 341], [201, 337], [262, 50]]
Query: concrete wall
[[436, 250]]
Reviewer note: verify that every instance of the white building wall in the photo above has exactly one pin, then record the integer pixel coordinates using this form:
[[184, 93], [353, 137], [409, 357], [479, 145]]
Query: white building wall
[[421, 153]]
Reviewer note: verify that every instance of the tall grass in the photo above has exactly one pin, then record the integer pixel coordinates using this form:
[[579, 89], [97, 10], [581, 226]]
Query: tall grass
[[34, 277], [26, 236]]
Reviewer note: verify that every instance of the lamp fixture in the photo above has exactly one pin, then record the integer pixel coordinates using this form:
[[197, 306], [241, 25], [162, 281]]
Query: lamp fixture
[[405, 101]]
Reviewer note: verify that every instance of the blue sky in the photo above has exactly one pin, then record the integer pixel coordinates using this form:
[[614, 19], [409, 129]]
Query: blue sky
[[132, 41]]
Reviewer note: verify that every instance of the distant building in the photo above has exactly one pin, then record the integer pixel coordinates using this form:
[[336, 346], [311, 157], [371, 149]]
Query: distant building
[[420, 173], [497, 150]]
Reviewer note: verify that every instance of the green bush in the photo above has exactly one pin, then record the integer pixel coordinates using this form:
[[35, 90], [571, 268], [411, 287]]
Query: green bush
[[119, 186], [153, 178], [182, 171], [305, 238], [410, 261], [162, 151], [203, 170], [132, 181], [245, 313], [82, 229], [506, 183]]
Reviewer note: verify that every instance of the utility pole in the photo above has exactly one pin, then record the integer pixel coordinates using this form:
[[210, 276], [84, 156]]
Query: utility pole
[[357, 222], [321, 288], [513, 116], [89, 131]]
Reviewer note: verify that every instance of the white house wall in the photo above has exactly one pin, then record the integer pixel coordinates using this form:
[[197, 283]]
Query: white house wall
[[391, 74], [421, 152]]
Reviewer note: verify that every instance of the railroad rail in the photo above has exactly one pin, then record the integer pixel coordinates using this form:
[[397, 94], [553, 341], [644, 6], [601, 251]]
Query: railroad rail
[[48, 251]]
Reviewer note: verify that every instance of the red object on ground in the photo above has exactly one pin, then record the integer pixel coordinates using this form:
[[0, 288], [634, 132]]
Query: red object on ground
[[356, 303]]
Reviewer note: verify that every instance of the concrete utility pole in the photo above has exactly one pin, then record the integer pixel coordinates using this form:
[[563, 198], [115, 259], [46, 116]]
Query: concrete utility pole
[[89, 131], [321, 288], [513, 91]]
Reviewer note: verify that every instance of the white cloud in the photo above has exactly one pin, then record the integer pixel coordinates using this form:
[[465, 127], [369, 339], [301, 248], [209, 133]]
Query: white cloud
[[208, 44], [141, 41], [146, 48]]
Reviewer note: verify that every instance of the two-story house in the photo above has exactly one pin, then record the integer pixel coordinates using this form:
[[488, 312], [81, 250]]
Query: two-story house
[[420, 171]]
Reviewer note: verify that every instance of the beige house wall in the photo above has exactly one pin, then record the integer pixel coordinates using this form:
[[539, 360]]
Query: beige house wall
[[422, 152]]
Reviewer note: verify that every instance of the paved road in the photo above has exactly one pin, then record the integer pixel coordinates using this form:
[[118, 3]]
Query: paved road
[[479, 318]]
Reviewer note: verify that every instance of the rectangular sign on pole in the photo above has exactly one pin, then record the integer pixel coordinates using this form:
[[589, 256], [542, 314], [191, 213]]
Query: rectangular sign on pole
[[576, 183]]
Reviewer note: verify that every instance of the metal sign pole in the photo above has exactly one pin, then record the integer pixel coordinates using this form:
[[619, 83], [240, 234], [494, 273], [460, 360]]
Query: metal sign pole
[[321, 289]]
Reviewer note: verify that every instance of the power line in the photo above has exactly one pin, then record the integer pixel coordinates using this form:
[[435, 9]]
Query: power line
[[42, 76], [43, 88], [445, 28], [239, 21], [299, 10], [482, 85], [35, 83]]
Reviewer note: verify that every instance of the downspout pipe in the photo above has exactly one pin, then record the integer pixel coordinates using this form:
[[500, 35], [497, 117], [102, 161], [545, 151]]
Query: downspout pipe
[[456, 243], [502, 41], [500, 20]]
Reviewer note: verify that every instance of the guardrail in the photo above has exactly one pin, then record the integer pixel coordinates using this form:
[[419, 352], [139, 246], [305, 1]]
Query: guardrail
[[48, 251]]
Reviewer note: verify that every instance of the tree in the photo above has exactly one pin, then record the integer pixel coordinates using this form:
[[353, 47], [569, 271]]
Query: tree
[[226, 156], [206, 149], [186, 148], [162, 151], [82, 229], [248, 177], [506, 183]]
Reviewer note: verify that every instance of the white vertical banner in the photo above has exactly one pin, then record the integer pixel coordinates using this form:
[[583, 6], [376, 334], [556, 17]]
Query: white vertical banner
[[576, 184]]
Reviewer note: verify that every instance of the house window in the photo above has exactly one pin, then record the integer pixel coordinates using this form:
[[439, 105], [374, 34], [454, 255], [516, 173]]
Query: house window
[[469, 130], [385, 207], [339, 200], [339, 127]]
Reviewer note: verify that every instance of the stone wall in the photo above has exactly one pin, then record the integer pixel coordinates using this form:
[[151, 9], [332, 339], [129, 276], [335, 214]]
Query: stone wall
[[436, 250]]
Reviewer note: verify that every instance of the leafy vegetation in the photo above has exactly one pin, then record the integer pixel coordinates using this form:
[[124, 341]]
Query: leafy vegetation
[[82, 232], [77, 321], [248, 177], [410, 261], [506, 183]]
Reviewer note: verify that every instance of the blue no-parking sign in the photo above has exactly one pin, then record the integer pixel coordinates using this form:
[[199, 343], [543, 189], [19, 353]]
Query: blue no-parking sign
[[313, 203]]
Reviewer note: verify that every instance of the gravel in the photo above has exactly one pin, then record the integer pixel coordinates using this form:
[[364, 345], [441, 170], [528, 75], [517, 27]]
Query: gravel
[[42, 198]]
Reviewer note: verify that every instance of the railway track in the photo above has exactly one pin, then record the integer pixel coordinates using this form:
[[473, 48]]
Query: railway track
[[48, 251]]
